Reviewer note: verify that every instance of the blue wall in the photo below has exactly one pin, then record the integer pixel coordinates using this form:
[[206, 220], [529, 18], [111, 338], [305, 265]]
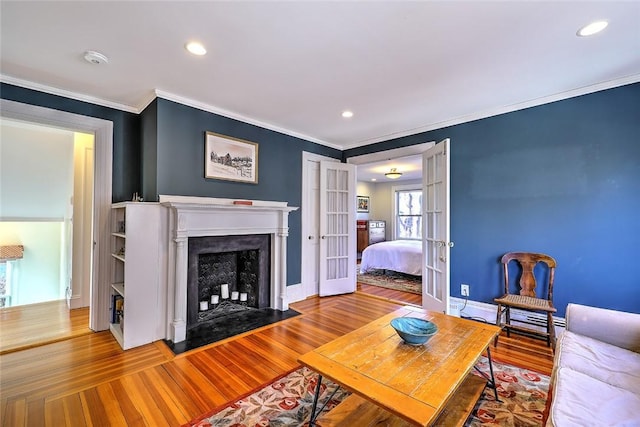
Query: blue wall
[[170, 137], [562, 179], [177, 143]]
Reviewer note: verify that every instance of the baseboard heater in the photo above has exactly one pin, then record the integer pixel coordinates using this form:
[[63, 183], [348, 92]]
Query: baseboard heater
[[488, 312]]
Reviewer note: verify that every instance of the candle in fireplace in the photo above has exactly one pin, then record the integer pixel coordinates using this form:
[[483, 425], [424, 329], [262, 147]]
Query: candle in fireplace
[[224, 291], [215, 299], [204, 305], [243, 296], [235, 295]]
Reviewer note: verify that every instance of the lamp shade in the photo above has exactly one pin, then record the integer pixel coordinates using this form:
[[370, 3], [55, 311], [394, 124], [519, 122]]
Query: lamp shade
[[393, 174]]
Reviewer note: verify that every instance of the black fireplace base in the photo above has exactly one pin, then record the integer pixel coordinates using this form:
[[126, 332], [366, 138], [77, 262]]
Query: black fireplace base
[[224, 327]]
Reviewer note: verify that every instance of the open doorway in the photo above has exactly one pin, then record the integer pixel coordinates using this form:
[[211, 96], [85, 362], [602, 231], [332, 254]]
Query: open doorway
[[99, 253], [388, 221], [46, 212], [46, 222], [102, 197]]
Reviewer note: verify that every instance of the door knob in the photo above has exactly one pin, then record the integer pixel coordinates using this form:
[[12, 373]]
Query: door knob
[[310, 237]]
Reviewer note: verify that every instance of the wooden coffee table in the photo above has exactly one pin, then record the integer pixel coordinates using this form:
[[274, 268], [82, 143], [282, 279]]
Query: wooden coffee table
[[413, 385]]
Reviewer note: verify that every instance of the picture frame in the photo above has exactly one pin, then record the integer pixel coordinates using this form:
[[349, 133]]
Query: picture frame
[[230, 159], [362, 203]]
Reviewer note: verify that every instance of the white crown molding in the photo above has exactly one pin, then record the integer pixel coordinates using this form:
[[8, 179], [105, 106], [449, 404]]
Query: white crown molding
[[158, 94], [232, 115], [67, 94], [634, 78], [151, 96]]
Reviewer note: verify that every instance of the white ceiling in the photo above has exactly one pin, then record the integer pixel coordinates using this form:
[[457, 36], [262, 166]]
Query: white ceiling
[[410, 167], [401, 67]]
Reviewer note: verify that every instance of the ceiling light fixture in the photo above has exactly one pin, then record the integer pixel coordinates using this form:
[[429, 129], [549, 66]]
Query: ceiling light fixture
[[393, 174], [347, 114], [196, 48], [591, 29], [94, 57]]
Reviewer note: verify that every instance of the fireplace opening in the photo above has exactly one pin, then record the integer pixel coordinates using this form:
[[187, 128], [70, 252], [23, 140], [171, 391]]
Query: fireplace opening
[[226, 275]]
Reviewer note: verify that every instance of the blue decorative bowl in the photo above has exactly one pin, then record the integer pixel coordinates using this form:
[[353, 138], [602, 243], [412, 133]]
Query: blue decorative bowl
[[414, 331]]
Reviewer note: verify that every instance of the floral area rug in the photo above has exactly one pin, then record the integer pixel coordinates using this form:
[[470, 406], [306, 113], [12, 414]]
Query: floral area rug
[[287, 401], [392, 280], [522, 393]]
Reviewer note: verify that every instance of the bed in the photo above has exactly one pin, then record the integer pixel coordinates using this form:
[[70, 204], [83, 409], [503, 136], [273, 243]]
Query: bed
[[404, 256]]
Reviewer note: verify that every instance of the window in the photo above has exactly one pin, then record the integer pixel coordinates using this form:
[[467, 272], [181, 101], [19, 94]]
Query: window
[[409, 214]]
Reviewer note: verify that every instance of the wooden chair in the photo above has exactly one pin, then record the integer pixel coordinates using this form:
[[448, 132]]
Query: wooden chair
[[527, 299]]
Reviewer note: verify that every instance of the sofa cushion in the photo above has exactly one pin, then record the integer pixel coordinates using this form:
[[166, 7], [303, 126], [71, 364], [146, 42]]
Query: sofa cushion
[[580, 400], [605, 362]]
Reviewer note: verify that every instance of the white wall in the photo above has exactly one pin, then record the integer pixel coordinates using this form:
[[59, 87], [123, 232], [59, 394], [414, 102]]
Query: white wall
[[365, 189], [38, 272], [36, 187], [36, 171]]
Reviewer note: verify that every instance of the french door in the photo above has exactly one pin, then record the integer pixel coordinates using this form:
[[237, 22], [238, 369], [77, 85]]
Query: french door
[[337, 228], [436, 244]]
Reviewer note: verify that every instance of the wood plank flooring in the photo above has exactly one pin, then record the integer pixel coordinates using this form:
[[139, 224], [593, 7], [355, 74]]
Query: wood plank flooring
[[390, 294], [89, 381], [27, 326]]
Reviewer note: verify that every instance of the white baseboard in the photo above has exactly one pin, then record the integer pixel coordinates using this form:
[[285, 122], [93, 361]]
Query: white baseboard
[[487, 312], [295, 293], [76, 302]]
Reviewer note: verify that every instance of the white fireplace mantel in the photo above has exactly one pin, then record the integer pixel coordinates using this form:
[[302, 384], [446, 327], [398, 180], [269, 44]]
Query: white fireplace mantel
[[205, 216]]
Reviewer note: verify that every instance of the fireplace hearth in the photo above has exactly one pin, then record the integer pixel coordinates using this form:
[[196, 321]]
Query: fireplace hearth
[[223, 327]]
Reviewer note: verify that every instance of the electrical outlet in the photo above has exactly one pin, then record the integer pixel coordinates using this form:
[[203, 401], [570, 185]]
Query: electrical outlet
[[464, 290]]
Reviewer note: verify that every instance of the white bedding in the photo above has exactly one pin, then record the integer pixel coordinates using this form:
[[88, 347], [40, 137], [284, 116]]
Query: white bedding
[[404, 256]]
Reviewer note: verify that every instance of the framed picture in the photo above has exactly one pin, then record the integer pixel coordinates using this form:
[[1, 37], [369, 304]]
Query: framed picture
[[363, 203], [231, 159]]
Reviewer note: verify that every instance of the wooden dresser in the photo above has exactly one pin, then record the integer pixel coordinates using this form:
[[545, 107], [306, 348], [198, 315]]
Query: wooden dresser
[[369, 232]]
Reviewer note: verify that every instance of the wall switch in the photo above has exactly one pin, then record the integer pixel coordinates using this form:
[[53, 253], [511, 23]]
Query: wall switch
[[464, 290]]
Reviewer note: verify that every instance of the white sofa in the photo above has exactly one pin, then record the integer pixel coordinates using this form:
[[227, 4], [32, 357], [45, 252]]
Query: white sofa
[[596, 371]]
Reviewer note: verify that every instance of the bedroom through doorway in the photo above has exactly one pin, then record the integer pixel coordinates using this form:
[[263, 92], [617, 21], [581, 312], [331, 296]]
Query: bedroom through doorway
[[389, 234]]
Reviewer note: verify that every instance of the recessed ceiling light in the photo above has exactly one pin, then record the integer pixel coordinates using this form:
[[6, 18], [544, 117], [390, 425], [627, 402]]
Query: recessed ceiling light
[[593, 28], [347, 114], [373, 179], [196, 48]]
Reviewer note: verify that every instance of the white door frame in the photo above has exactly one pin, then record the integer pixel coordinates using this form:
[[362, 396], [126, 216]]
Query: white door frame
[[103, 148], [394, 153], [78, 295], [310, 227]]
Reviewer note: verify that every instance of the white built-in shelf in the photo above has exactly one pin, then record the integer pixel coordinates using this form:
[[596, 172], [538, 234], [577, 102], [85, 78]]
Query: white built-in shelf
[[119, 288], [137, 281], [117, 333]]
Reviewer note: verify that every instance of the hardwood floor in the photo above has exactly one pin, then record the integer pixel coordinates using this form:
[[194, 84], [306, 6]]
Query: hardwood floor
[[390, 294], [88, 380], [32, 325]]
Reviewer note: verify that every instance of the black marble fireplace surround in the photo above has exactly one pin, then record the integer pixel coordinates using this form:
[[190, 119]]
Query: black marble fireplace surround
[[241, 261]]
